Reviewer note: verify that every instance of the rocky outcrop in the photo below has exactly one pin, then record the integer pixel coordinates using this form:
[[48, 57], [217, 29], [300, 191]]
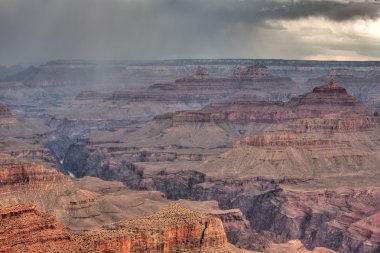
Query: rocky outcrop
[[329, 100], [17, 176], [201, 71], [174, 229], [358, 233], [239, 231], [326, 101], [252, 82], [24, 229]]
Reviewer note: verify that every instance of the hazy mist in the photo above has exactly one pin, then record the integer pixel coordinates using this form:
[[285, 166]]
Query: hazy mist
[[40, 30]]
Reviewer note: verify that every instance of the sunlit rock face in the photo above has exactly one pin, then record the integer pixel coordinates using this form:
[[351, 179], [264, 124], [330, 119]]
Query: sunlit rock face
[[174, 229], [24, 229]]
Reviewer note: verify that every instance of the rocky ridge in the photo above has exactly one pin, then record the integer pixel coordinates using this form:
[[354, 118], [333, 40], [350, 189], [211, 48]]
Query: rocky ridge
[[174, 229], [323, 102]]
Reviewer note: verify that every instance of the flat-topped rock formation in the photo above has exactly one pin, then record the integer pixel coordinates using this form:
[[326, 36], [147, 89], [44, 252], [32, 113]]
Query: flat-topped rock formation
[[251, 82], [24, 229], [326, 101], [59, 73], [362, 84], [19, 176], [303, 156], [174, 229]]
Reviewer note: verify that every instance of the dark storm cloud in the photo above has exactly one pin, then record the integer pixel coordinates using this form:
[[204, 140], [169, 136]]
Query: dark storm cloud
[[33, 30], [258, 10]]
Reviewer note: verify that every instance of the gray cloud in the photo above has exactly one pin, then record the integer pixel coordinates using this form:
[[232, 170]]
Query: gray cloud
[[34, 30]]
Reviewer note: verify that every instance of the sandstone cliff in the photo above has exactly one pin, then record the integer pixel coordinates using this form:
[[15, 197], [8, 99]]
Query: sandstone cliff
[[174, 229], [18, 176], [24, 229]]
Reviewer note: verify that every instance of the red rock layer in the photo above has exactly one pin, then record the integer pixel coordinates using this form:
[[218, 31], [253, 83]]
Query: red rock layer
[[174, 229], [363, 235], [336, 125], [24, 229], [285, 139], [23, 176], [327, 102]]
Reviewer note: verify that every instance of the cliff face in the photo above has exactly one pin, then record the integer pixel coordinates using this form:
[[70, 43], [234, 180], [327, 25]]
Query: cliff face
[[24, 229], [174, 229], [22, 176], [360, 233], [327, 101]]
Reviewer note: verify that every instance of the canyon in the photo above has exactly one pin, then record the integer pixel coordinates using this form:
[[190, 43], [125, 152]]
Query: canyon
[[269, 155]]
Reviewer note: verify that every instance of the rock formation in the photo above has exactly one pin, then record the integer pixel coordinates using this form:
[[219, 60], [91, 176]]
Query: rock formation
[[174, 229], [304, 169], [326, 101], [201, 72], [24, 229], [252, 82], [18, 176]]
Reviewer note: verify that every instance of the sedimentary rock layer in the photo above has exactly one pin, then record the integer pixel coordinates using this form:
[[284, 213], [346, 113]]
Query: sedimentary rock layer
[[16, 176], [174, 229], [326, 101], [24, 229]]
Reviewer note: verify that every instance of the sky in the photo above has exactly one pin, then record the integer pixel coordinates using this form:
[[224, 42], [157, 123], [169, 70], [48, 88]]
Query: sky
[[43, 30]]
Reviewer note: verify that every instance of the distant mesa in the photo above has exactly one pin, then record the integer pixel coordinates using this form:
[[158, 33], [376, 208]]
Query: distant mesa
[[201, 72], [258, 70], [328, 101]]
